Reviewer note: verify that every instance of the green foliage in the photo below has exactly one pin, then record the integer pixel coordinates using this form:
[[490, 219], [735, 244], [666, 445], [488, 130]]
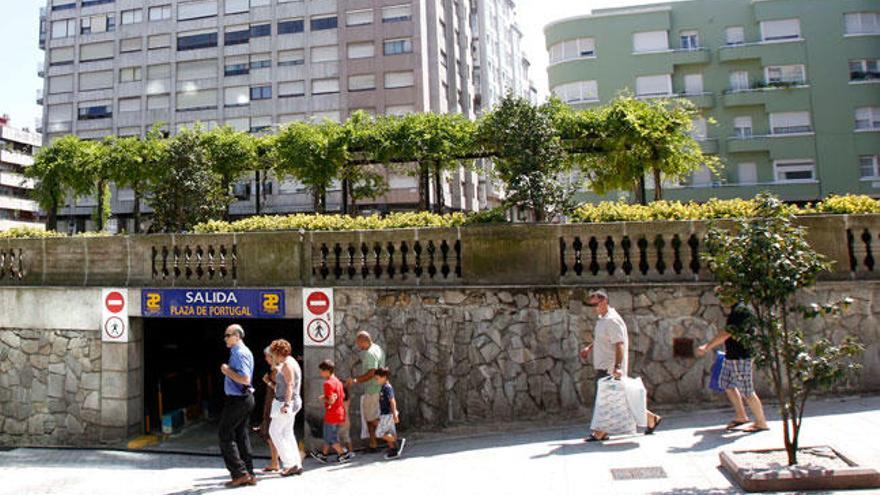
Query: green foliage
[[494, 215], [529, 155], [311, 222], [27, 233], [58, 169], [849, 204], [765, 262], [187, 191], [312, 154], [230, 154]]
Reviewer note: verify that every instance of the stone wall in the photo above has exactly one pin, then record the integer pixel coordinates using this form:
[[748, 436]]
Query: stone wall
[[49, 386], [510, 354]]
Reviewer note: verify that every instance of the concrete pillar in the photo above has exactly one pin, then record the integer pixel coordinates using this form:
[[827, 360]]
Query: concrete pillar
[[122, 389]]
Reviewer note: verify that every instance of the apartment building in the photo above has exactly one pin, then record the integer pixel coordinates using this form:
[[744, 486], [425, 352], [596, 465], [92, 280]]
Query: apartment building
[[789, 90], [17, 148], [116, 67]]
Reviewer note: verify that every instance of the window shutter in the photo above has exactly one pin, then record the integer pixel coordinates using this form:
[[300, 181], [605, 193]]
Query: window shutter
[[95, 80], [96, 51], [238, 95], [650, 41], [198, 69], [197, 99]]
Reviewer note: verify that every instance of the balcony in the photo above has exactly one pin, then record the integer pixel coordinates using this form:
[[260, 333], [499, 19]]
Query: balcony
[[778, 96], [11, 203], [708, 146], [778, 145], [19, 159], [10, 179], [40, 97], [691, 56], [769, 52], [700, 100], [41, 69]]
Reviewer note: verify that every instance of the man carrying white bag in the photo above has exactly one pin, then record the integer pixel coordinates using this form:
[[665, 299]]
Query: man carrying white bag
[[621, 403]]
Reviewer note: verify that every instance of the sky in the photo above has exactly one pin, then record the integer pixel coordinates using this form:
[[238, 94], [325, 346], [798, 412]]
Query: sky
[[20, 53]]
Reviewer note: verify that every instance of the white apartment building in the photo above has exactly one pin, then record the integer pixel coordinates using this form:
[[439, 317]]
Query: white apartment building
[[116, 67], [17, 148]]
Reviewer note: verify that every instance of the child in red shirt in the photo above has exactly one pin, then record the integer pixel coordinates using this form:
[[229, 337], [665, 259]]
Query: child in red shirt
[[334, 414]]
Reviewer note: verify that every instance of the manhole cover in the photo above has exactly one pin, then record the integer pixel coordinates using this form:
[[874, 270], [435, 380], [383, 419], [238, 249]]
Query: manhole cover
[[638, 473]]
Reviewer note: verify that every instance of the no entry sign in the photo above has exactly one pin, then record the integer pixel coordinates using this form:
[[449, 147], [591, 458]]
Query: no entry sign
[[318, 328], [114, 315]]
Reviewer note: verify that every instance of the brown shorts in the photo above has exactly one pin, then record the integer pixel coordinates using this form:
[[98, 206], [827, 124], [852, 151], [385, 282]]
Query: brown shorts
[[370, 407]]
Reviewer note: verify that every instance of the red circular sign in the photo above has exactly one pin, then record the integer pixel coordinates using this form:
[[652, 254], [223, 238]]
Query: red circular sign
[[318, 303], [114, 302]]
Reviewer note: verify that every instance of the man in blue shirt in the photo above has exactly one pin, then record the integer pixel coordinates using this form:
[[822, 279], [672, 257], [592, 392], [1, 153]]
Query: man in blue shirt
[[234, 442]]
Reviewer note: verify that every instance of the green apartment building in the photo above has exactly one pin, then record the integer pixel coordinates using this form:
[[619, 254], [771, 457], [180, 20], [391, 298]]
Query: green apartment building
[[789, 90]]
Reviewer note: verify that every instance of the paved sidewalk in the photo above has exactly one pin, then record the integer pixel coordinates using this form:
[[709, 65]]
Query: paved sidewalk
[[551, 460]]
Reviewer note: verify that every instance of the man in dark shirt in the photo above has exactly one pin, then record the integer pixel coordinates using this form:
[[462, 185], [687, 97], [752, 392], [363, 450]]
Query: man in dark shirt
[[736, 372]]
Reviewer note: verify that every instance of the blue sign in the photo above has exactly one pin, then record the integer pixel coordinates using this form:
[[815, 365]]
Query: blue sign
[[212, 303]]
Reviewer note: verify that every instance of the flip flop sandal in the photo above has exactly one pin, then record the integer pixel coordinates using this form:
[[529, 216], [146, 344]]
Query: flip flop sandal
[[735, 424], [270, 469], [594, 438], [755, 429], [650, 430]]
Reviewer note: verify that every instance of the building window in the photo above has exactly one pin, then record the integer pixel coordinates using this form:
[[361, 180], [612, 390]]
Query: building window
[[862, 23], [790, 123], [129, 74], [785, 74], [158, 41], [61, 84], [236, 35], [236, 66], [260, 61], [396, 47], [261, 92], [689, 40], [92, 3], [97, 24], [324, 54], [158, 102], [288, 58], [203, 99], [739, 81], [397, 13], [131, 45], [197, 69], [868, 118], [359, 50], [359, 17], [794, 170], [573, 49], [693, 84], [650, 41], [781, 30], [735, 35], [579, 91], [291, 27], [89, 81], [325, 86], [742, 127], [133, 16], [63, 6], [291, 89], [96, 51], [649, 86], [63, 29], [196, 41], [160, 13], [89, 111], [866, 69], [362, 82], [747, 173], [869, 167], [261, 30], [236, 96], [196, 10], [130, 104], [322, 23], [399, 79], [235, 6]]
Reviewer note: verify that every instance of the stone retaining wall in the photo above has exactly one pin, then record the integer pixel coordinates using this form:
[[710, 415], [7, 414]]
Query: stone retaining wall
[[50, 385], [511, 354]]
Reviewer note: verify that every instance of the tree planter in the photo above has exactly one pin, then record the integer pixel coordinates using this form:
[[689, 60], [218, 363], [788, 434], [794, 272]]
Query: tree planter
[[819, 468]]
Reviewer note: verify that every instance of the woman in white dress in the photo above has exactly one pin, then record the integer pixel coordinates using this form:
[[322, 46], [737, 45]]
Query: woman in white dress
[[288, 402]]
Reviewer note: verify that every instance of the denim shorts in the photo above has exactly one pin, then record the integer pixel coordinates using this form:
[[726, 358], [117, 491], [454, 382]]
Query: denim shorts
[[331, 434]]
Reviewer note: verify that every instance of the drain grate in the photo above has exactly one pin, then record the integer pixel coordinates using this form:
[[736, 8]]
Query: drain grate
[[638, 473]]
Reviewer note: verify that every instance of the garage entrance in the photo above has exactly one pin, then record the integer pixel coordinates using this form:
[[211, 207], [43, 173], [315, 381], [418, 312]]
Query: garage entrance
[[183, 386]]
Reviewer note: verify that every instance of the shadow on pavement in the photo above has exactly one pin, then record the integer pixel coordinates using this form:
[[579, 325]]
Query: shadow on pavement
[[581, 447]]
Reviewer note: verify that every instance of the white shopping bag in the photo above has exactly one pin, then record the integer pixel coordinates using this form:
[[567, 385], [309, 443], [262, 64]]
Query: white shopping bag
[[637, 399], [611, 413]]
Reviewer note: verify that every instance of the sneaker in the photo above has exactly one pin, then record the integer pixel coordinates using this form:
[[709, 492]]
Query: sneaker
[[344, 458], [392, 454], [319, 456]]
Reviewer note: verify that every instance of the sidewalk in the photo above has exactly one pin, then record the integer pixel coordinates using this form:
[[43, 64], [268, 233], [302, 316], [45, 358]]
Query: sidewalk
[[551, 460]]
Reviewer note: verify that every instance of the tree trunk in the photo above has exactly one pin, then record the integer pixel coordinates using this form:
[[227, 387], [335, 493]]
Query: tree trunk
[[640, 192], [316, 200], [345, 186], [658, 185], [438, 194], [136, 211], [227, 184], [52, 216], [424, 189], [99, 217], [257, 192]]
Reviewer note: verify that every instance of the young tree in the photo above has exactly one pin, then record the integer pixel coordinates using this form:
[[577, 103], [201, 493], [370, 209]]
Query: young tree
[[529, 155], [186, 191], [134, 163], [55, 168], [313, 154], [765, 262], [230, 154]]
